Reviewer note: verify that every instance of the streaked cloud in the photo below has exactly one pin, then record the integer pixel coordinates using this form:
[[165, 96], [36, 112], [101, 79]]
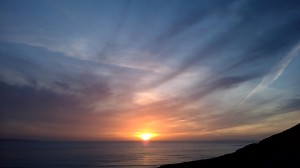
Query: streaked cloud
[[182, 69], [275, 72]]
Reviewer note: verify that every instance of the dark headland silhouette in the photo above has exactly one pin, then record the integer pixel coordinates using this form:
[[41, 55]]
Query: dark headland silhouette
[[280, 150]]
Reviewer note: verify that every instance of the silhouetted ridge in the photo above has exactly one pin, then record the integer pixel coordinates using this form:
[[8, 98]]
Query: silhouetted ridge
[[280, 150]]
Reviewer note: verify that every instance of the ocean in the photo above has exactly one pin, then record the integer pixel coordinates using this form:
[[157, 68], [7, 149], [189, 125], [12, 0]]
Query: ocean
[[46, 154]]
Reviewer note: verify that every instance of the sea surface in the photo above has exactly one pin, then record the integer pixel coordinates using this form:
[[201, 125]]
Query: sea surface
[[46, 154]]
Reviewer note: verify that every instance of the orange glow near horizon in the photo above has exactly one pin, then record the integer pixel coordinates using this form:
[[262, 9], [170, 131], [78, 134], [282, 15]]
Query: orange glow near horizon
[[146, 136]]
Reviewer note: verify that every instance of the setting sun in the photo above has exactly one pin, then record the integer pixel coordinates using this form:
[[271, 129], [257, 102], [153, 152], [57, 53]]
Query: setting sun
[[146, 136]]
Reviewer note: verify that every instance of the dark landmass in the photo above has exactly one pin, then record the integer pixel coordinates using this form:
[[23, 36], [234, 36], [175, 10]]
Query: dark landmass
[[279, 150]]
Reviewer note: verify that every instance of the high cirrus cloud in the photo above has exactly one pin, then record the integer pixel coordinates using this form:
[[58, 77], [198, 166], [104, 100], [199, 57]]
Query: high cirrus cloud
[[182, 66]]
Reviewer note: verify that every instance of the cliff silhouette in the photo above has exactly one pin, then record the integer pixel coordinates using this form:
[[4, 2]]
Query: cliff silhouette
[[280, 150]]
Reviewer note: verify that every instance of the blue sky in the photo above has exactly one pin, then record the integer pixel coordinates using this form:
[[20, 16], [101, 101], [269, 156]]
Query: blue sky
[[104, 70]]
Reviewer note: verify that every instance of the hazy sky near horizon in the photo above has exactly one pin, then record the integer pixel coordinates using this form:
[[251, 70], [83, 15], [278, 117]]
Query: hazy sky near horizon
[[104, 70]]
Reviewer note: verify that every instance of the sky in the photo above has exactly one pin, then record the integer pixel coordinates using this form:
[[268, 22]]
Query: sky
[[182, 69]]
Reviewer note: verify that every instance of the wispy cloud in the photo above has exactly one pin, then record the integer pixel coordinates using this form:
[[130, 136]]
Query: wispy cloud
[[180, 67], [275, 72]]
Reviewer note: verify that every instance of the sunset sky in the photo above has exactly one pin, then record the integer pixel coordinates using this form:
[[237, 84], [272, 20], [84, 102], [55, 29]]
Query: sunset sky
[[184, 70]]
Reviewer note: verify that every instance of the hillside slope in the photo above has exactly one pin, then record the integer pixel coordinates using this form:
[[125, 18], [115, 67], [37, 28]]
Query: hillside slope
[[279, 150]]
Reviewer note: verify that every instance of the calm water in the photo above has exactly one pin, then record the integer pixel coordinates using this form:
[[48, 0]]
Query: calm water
[[108, 154]]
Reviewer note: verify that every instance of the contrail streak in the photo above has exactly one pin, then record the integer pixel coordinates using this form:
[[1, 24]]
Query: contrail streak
[[275, 72]]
